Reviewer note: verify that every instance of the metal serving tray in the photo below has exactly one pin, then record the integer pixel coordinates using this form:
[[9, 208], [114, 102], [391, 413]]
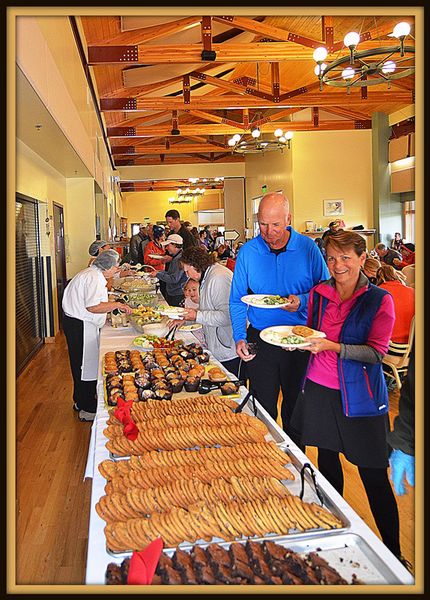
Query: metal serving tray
[[348, 553]]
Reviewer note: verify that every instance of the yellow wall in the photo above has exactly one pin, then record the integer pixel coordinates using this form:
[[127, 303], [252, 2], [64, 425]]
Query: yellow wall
[[332, 165], [138, 206], [80, 223]]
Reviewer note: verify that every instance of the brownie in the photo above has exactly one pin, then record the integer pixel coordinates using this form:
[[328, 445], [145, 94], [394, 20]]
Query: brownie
[[156, 580], [275, 551], [238, 552], [299, 567], [125, 565], [225, 575], [325, 573], [113, 574], [170, 576], [218, 556], [188, 576], [241, 569], [289, 578], [181, 560], [198, 556], [206, 575], [163, 562]]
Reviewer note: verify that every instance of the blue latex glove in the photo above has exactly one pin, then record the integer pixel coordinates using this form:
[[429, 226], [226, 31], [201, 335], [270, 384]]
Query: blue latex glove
[[402, 465]]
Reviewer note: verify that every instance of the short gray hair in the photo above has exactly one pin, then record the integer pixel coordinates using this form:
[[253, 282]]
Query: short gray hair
[[380, 246], [106, 260]]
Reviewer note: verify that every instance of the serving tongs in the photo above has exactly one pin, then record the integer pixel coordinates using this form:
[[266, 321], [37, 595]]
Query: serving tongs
[[308, 467], [171, 333]]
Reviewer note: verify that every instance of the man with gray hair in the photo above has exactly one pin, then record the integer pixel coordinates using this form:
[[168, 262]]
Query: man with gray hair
[[85, 304], [282, 262], [387, 255]]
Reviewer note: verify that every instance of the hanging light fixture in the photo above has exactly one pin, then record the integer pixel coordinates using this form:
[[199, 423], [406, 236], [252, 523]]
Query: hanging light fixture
[[186, 195], [256, 143], [367, 67]]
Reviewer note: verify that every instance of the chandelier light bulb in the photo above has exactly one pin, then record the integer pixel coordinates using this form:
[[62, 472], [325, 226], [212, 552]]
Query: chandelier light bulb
[[179, 191], [320, 54], [256, 133], [319, 69], [351, 39], [388, 67], [348, 73], [283, 139], [401, 29], [231, 142], [236, 137], [289, 135], [278, 132], [202, 191]]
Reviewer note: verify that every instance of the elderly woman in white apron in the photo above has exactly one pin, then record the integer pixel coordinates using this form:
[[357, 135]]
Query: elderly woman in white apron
[[85, 304]]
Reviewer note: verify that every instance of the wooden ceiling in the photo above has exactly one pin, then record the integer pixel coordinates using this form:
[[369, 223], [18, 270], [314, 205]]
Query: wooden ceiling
[[174, 89]]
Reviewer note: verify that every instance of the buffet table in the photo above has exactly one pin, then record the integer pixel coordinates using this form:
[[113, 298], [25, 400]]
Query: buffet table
[[355, 549]]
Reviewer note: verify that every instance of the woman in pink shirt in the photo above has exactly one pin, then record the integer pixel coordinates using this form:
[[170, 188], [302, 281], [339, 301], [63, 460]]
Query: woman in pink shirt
[[343, 407]]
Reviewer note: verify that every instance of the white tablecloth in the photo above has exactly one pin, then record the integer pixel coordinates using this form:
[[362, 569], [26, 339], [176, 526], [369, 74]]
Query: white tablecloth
[[98, 558]]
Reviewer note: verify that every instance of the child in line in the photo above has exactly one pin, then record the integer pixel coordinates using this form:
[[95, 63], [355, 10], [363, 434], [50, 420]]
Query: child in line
[[191, 300]]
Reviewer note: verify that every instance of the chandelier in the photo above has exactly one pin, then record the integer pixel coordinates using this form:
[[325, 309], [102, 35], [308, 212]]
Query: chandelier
[[367, 67], [256, 144], [186, 195]]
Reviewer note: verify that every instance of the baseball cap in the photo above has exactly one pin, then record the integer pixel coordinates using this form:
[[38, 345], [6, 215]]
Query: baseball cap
[[174, 238], [95, 247]]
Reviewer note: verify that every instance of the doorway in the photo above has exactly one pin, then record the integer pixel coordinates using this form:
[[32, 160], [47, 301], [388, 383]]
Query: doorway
[[60, 258]]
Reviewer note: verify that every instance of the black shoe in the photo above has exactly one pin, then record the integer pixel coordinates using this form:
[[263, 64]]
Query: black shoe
[[75, 407]]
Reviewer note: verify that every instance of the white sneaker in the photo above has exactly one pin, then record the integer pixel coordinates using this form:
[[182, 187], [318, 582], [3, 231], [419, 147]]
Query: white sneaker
[[86, 416]]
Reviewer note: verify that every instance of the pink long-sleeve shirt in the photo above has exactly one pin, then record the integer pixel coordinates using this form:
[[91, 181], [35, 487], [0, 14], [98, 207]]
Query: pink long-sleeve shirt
[[323, 366]]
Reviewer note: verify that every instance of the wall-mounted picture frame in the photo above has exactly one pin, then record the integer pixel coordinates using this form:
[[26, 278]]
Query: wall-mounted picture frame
[[333, 208]]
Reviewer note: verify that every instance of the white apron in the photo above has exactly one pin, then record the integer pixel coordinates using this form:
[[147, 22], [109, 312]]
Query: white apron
[[90, 352]]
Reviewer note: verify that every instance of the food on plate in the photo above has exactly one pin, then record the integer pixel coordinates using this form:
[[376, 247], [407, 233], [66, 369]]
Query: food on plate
[[302, 330], [153, 341], [278, 338], [229, 387], [144, 315], [270, 300]]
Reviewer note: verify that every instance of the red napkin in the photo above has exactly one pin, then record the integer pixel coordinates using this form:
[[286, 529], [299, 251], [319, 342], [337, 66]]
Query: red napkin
[[123, 414], [143, 564]]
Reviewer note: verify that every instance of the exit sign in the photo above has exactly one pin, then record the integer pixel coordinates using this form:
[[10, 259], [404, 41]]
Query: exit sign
[[264, 188]]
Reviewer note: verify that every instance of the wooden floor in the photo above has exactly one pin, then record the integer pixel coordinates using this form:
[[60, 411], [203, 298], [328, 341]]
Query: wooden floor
[[52, 498]]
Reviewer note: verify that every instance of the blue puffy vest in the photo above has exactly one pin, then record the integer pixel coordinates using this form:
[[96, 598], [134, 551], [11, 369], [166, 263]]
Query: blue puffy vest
[[362, 385]]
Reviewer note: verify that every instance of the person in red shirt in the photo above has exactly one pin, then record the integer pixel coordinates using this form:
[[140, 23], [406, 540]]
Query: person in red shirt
[[408, 256], [154, 248], [404, 301]]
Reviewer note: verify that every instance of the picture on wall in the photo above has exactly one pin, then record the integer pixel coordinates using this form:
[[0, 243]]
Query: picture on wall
[[333, 208]]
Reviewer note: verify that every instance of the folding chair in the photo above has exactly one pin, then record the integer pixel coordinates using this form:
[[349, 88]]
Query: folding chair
[[395, 364]]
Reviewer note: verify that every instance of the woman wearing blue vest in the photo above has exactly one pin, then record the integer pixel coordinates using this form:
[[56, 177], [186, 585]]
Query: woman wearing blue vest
[[343, 405]]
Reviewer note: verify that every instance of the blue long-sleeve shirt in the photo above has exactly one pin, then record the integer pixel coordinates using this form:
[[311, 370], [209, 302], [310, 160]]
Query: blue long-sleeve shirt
[[260, 271]]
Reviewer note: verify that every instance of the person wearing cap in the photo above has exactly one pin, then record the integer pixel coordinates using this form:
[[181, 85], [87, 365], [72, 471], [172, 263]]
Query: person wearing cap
[[95, 248], [85, 304], [136, 251], [173, 219], [386, 255], [176, 277]]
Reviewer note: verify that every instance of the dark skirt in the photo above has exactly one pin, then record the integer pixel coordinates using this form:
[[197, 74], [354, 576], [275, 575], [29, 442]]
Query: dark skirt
[[319, 417]]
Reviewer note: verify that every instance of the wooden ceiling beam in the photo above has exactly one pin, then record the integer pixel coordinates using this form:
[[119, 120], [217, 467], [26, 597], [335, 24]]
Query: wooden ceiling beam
[[148, 34], [274, 70], [268, 126], [230, 158], [371, 34], [295, 98], [229, 85], [268, 31], [216, 119], [327, 31], [174, 149]]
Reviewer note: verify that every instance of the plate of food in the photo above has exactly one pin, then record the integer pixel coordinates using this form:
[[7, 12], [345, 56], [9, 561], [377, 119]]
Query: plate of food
[[174, 312], [290, 336], [149, 342], [265, 300], [190, 327]]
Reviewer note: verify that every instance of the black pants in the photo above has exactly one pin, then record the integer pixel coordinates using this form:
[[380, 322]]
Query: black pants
[[232, 365], [84, 392], [174, 300], [379, 493], [274, 369]]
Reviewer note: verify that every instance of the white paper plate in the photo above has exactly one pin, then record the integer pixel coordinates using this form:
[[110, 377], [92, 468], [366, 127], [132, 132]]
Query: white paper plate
[[173, 312], [256, 301], [156, 256], [272, 335], [191, 327]]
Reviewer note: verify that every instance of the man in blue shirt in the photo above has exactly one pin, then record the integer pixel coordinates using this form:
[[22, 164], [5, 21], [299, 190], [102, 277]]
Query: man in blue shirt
[[278, 261]]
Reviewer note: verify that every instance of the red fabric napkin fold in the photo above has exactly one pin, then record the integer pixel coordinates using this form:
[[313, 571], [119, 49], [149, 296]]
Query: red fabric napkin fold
[[123, 414], [143, 564]]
